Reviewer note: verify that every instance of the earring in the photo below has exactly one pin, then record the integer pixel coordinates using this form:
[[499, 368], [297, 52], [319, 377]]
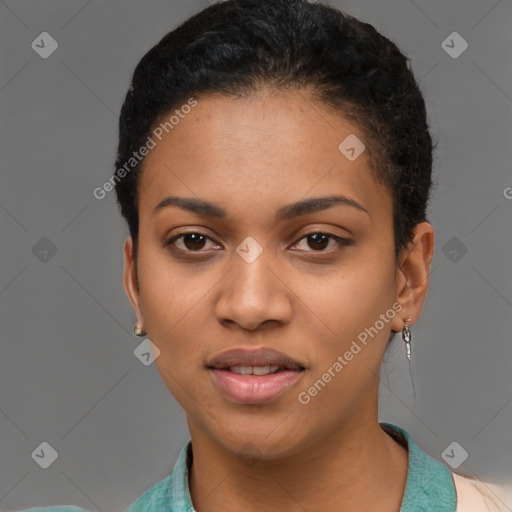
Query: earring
[[139, 330], [407, 336]]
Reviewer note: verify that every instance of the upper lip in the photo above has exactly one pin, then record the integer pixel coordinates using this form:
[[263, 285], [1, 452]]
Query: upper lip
[[253, 357]]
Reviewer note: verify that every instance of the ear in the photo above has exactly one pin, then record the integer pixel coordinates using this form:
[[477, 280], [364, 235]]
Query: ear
[[412, 275], [130, 278]]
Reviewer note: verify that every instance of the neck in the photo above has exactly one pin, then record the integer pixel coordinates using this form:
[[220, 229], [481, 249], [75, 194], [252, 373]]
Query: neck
[[358, 467]]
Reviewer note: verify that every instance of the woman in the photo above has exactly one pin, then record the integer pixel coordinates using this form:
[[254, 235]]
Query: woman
[[274, 169]]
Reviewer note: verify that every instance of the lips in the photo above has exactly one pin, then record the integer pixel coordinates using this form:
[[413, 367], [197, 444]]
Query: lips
[[255, 358], [254, 376]]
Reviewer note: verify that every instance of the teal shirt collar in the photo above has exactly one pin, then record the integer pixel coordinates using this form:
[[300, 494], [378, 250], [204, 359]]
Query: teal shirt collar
[[429, 484]]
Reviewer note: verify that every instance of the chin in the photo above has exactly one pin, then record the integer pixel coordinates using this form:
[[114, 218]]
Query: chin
[[268, 438]]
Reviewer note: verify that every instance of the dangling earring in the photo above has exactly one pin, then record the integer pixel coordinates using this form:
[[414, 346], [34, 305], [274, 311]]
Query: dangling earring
[[139, 330], [407, 336]]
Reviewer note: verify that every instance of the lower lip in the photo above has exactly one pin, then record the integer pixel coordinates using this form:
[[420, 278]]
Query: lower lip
[[254, 389]]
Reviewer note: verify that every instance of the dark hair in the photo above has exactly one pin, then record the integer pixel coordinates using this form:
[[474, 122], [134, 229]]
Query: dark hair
[[240, 46]]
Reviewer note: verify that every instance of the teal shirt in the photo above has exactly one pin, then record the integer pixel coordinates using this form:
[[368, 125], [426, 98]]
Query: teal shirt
[[429, 484]]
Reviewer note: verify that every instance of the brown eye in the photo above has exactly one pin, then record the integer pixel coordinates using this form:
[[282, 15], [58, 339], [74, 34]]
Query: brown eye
[[194, 241], [319, 241], [190, 242]]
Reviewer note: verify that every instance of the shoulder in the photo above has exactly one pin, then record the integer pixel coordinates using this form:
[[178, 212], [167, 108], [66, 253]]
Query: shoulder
[[476, 496], [172, 493], [57, 508], [431, 485]]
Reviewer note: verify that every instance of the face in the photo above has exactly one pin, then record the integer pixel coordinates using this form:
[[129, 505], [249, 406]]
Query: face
[[250, 272]]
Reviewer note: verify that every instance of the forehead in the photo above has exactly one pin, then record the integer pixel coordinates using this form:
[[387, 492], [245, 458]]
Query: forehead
[[266, 149]]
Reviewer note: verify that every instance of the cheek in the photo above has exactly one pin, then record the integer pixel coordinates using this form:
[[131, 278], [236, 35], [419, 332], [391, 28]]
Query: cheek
[[347, 358], [171, 304], [349, 306], [350, 300]]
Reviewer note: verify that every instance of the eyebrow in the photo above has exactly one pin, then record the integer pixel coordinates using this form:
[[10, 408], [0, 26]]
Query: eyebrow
[[208, 209]]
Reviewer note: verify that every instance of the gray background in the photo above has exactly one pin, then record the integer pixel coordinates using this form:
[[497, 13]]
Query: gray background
[[68, 374]]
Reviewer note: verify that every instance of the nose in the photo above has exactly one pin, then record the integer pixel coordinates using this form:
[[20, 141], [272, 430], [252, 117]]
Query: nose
[[253, 296]]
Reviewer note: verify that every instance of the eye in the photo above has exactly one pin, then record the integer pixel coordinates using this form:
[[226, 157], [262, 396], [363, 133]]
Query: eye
[[192, 241], [319, 241]]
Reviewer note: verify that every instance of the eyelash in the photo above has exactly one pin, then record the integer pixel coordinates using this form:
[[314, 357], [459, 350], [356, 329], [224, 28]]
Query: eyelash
[[342, 242]]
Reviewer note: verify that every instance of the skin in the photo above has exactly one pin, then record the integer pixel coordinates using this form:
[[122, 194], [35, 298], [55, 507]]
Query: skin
[[252, 156]]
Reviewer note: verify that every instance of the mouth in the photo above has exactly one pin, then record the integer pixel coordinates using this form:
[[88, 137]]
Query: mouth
[[255, 376], [258, 370]]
